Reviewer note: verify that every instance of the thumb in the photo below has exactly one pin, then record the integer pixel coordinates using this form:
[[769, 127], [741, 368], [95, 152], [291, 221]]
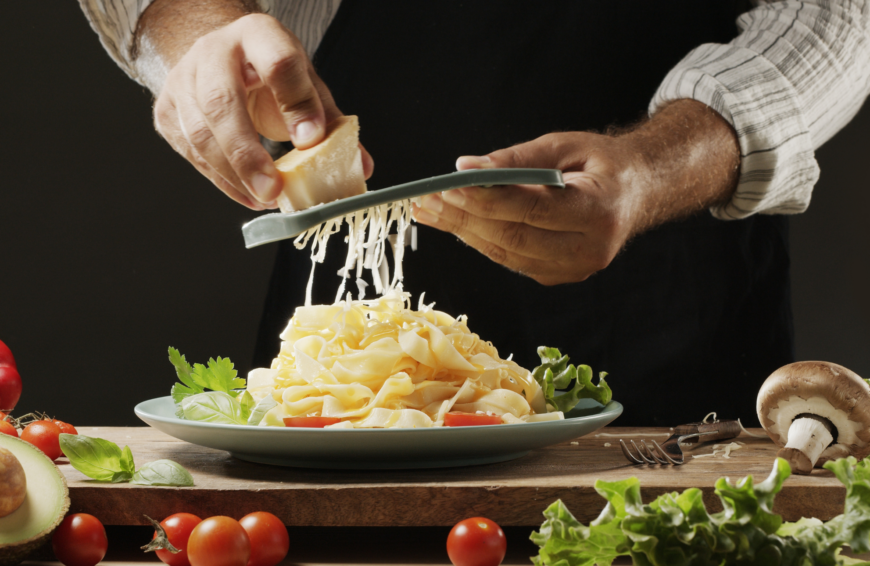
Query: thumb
[[542, 153]]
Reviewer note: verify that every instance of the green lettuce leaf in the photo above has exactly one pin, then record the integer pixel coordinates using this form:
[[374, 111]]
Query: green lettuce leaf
[[676, 529], [555, 373], [218, 375]]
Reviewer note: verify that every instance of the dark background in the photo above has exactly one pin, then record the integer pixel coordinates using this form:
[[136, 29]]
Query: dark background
[[112, 247]]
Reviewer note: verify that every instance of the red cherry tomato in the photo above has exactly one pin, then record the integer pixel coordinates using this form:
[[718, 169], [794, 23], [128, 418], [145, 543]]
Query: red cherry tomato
[[10, 387], [456, 418], [7, 428], [476, 542], [80, 540], [6, 358], [310, 422], [10, 381], [65, 428], [269, 539], [44, 435], [219, 541], [177, 528]]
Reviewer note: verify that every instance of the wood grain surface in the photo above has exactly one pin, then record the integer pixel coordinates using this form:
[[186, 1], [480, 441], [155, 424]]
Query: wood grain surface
[[511, 493]]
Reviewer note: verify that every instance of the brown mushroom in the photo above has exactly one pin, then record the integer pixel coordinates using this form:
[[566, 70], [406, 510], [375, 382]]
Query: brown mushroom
[[817, 411]]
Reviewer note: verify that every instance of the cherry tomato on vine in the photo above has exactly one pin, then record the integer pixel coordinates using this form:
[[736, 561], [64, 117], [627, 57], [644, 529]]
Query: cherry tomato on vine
[[80, 540], [310, 422], [65, 428], [476, 542], [456, 418], [7, 428], [177, 528], [269, 539], [219, 541], [44, 435]]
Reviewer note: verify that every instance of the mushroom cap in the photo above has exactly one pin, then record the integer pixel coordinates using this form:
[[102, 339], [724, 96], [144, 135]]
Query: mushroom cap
[[823, 389]]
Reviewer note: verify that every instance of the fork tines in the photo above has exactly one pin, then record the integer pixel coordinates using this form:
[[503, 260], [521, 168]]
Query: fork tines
[[646, 454]]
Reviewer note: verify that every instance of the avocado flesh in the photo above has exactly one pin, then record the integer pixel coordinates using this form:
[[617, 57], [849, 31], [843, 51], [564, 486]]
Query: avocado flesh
[[44, 506]]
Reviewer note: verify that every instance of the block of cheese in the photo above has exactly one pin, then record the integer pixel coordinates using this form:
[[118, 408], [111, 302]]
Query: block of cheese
[[326, 172]]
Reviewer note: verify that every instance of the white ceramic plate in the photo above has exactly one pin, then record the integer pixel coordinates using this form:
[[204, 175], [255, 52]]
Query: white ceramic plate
[[441, 447]]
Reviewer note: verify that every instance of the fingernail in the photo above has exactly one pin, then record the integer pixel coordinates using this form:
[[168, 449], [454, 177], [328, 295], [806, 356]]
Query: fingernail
[[455, 197], [473, 162], [432, 203], [426, 217], [263, 185], [305, 132]]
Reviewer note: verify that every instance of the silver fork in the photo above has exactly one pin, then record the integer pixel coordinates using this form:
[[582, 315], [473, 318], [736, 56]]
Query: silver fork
[[671, 451]]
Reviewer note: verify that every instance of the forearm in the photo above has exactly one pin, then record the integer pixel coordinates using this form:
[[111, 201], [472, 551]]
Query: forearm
[[168, 28], [687, 159], [795, 75]]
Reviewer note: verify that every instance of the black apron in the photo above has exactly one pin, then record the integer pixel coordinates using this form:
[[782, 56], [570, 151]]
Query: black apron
[[691, 317]]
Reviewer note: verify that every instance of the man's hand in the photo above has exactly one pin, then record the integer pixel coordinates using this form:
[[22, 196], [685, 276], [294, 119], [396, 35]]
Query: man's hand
[[681, 161], [234, 76]]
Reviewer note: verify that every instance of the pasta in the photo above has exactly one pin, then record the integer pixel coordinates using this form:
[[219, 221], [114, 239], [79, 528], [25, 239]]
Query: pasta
[[378, 364]]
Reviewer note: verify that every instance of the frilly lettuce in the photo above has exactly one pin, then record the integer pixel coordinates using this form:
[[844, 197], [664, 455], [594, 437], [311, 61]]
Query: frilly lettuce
[[676, 529], [555, 373]]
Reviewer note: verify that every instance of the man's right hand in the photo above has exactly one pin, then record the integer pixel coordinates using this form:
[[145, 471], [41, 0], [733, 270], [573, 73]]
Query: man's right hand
[[251, 76]]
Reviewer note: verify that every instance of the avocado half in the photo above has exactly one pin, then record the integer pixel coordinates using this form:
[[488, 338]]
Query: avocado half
[[44, 507]]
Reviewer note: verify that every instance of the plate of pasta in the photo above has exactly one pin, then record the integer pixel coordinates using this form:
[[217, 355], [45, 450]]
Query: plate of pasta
[[382, 382]]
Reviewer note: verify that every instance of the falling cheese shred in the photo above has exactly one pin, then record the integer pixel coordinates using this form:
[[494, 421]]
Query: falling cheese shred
[[367, 239]]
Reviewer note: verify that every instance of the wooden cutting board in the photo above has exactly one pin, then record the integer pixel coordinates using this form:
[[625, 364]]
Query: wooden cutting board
[[511, 493]]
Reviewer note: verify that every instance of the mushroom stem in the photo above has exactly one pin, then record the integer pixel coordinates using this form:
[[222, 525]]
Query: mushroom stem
[[807, 439]]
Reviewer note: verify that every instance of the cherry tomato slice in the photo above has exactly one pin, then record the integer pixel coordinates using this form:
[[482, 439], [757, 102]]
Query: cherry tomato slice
[[44, 435], [80, 540], [219, 541], [470, 419], [476, 542], [269, 539], [310, 422], [177, 528]]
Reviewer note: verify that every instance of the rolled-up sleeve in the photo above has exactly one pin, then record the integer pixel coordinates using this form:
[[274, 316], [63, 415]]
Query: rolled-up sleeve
[[796, 74], [115, 22]]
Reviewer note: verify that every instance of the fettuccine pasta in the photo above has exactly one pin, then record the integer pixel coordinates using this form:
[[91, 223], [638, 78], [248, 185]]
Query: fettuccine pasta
[[378, 364]]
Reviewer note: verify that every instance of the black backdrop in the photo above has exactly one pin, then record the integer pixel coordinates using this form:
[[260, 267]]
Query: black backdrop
[[113, 248]]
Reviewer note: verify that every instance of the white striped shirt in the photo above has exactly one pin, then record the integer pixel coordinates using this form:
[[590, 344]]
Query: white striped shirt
[[795, 75]]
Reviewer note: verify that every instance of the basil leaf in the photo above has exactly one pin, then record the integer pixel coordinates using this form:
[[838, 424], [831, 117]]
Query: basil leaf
[[163, 472], [213, 407], [247, 402], [264, 406], [96, 458], [127, 461]]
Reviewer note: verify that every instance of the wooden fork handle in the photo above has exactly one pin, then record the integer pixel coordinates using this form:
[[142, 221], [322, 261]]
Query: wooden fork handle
[[723, 430]]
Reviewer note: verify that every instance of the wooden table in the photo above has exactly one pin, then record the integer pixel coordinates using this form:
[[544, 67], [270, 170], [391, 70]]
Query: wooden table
[[403, 516], [511, 493]]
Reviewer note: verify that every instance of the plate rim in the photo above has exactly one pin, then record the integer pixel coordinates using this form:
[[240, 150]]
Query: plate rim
[[612, 407]]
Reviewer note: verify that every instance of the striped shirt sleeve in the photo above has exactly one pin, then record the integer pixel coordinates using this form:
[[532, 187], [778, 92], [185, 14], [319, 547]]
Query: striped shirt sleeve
[[796, 74], [115, 23]]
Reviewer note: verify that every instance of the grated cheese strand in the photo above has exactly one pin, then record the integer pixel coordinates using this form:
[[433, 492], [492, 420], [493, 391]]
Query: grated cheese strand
[[367, 238], [721, 449], [749, 433], [715, 420]]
